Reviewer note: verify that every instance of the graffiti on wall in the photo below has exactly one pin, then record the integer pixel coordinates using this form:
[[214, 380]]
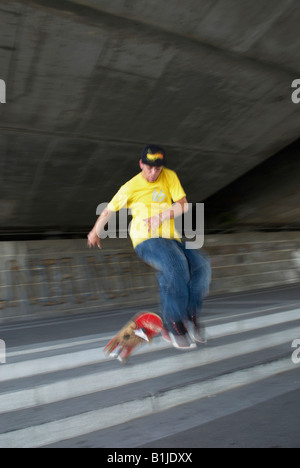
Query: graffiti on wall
[[54, 281]]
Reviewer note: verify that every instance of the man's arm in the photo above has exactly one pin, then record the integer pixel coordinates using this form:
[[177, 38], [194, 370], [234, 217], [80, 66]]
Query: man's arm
[[177, 209], [94, 235]]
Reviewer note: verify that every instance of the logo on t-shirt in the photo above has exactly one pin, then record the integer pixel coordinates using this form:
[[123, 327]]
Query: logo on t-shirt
[[158, 197]]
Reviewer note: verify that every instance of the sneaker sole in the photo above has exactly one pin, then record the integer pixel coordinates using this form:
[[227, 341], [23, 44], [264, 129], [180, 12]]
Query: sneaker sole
[[184, 348], [202, 340], [198, 340]]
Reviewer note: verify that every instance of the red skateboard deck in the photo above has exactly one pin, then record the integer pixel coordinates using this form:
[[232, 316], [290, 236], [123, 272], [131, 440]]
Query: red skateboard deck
[[140, 330]]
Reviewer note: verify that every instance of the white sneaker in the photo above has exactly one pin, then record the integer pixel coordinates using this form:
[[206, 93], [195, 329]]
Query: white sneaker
[[197, 333], [181, 342]]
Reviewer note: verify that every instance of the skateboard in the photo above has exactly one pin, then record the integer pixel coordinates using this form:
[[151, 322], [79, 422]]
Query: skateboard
[[139, 330]]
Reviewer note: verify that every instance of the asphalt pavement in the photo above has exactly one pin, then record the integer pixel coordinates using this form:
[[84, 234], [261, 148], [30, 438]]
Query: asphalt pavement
[[240, 390]]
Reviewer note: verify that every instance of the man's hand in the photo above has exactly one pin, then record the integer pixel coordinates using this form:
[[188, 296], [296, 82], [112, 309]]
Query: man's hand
[[154, 222], [93, 236], [177, 209], [93, 239]]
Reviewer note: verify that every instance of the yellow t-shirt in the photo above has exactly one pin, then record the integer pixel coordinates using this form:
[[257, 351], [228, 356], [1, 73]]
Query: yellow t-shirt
[[146, 199]]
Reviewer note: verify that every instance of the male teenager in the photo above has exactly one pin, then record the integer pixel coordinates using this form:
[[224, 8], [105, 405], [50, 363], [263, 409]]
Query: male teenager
[[155, 197]]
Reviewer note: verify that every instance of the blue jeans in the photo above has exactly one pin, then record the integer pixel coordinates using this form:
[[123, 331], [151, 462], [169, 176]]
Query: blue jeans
[[183, 276]]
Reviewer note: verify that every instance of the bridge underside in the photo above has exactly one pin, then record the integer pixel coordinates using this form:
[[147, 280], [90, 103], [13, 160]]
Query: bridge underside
[[89, 83]]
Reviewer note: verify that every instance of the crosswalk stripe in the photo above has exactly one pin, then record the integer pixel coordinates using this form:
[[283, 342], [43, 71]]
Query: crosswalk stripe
[[84, 423], [71, 377], [58, 346], [77, 359], [255, 323], [104, 380]]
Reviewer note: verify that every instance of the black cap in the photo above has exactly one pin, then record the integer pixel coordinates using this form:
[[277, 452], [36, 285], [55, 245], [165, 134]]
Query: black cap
[[153, 155]]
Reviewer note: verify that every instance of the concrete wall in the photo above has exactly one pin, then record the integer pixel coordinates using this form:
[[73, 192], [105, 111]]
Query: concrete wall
[[50, 277], [255, 260], [54, 277]]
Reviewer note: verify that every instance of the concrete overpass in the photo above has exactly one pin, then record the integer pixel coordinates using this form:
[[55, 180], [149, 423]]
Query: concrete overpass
[[89, 83]]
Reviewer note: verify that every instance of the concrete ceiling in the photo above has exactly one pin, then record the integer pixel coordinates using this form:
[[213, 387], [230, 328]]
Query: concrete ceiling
[[89, 83]]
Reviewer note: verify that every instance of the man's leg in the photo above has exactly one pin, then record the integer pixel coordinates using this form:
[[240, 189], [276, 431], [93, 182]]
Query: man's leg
[[200, 278], [173, 273]]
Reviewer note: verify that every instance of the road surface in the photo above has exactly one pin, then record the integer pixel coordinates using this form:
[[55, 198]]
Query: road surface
[[241, 389]]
